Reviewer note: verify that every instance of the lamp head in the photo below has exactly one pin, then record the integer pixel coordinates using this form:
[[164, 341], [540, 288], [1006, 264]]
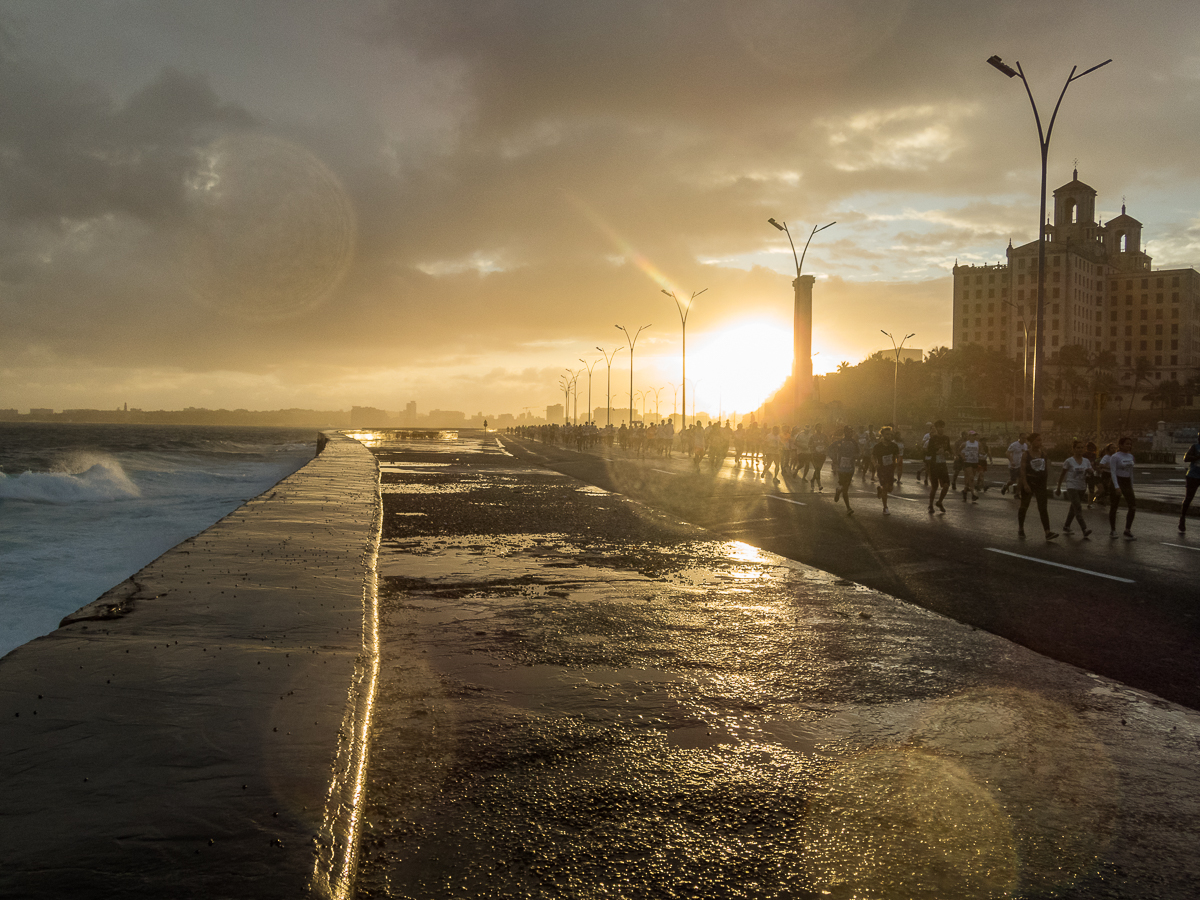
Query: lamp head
[[1000, 64], [776, 224]]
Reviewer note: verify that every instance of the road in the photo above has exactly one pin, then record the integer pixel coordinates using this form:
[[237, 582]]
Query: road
[[1126, 610]]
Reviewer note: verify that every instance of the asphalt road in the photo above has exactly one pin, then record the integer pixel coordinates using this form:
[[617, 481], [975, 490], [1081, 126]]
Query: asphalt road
[[1126, 610]]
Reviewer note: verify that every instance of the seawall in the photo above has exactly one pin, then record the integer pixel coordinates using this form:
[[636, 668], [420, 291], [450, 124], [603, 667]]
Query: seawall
[[198, 731]]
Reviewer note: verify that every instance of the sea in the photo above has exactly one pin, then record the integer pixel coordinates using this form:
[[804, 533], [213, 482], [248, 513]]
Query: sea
[[83, 507]]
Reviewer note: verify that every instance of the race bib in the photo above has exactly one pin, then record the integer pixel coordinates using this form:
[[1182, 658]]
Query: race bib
[[941, 459], [1038, 465], [847, 464], [887, 460]]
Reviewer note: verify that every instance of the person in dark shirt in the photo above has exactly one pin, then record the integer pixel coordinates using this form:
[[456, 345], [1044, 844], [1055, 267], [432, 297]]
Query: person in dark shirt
[[940, 452], [844, 458], [886, 455]]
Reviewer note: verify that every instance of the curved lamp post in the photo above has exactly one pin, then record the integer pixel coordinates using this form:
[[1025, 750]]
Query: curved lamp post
[[802, 320], [1044, 144], [608, 358], [1025, 360], [896, 374], [589, 371], [632, 342], [684, 309]]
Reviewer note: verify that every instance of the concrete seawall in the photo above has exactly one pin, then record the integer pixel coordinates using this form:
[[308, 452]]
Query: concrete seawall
[[199, 730]]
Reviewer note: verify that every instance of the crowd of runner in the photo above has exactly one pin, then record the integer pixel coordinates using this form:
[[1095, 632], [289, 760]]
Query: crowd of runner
[[1089, 475]]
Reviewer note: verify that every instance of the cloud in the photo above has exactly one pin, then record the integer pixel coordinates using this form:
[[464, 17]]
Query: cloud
[[411, 227]]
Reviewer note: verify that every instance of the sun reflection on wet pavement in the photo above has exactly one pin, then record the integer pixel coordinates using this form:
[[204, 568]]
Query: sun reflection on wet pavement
[[580, 697]]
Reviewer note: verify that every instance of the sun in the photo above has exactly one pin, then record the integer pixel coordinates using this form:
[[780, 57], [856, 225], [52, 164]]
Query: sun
[[737, 366]]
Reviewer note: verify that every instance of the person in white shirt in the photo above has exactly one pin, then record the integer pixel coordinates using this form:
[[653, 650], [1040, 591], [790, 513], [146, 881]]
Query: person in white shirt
[[1120, 465], [1075, 471], [1016, 450]]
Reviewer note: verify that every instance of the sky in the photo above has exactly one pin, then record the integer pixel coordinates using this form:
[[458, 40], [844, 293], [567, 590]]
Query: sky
[[264, 204]]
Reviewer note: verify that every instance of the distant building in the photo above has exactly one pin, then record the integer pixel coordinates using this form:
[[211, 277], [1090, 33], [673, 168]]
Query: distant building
[[555, 414], [369, 417], [409, 416], [1101, 294]]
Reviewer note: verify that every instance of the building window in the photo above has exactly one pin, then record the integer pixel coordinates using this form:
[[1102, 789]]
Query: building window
[[1158, 314], [1129, 299], [978, 294], [1175, 296], [1145, 283], [1003, 292], [1128, 330], [1158, 282], [1114, 331], [1174, 362], [1175, 281], [1158, 362], [978, 322], [1174, 329], [1141, 345], [1158, 298], [1057, 262], [992, 279], [991, 307], [966, 323], [992, 336], [1145, 315], [1158, 345], [1054, 341], [1021, 278], [1055, 309], [979, 280], [991, 292], [1145, 299], [1128, 359], [992, 321], [1004, 320], [1174, 314], [1174, 345], [977, 337], [1021, 295], [1142, 329]]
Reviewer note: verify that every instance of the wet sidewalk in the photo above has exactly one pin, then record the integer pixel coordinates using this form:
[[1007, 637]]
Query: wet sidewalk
[[581, 697], [197, 731]]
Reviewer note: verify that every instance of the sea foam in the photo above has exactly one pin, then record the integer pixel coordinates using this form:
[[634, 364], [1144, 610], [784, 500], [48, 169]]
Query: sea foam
[[100, 481]]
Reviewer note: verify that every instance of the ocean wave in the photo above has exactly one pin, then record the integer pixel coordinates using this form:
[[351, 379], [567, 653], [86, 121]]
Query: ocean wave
[[99, 481]]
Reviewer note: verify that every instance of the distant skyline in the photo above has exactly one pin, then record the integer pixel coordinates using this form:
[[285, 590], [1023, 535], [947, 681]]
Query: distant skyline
[[263, 205]]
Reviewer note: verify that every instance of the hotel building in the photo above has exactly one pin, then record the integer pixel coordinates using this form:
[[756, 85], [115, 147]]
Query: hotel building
[[1101, 293]]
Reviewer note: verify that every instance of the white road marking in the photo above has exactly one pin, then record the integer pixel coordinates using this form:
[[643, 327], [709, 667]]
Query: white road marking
[[785, 499], [1047, 562], [1180, 546], [664, 471]]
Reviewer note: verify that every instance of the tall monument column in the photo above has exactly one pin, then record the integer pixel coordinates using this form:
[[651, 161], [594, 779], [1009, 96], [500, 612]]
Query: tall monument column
[[802, 342]]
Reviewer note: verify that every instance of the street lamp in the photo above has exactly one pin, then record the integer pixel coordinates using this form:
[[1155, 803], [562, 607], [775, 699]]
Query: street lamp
[[896, 373], [802, 320], [1025, 361], [564, 384], [632, 343], [573, 385], [589, 371], [1044, 144], [641, 395], [608, 358], [684, 309], [657, 417], [674, 398]]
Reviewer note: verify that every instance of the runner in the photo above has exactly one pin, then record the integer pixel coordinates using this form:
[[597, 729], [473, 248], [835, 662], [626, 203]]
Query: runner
[[971, 451], [1075, 471], [1120, 465], [816, 449], [899, 457], [925, 454], [1015, 451], [1033, 486], [937, 457], [772, 447], [1089, 453], [845, 460], [885, 455], [1191, 482], [958, 463]]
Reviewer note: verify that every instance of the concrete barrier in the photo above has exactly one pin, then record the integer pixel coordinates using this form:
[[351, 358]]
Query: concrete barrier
[[199, 731]]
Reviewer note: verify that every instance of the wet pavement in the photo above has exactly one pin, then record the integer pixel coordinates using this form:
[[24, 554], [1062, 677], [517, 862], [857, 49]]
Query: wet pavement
[[580, 696], [198, 730], [1122, 609]]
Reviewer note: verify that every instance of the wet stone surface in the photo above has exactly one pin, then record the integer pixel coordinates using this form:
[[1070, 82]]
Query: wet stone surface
[[581, 697]]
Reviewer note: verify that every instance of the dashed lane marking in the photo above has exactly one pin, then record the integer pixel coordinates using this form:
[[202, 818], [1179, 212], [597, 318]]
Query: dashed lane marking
[[1047, 562], [785, 499], [1180, 546]]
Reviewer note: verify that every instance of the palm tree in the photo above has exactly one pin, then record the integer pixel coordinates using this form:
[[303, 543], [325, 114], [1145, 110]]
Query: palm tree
[[1141, 371]]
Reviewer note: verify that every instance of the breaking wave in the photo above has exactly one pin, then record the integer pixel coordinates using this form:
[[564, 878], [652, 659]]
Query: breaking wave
[[86, 480]]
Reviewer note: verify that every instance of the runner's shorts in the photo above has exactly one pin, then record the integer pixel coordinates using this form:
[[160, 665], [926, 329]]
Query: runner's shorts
[[939, 474]]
